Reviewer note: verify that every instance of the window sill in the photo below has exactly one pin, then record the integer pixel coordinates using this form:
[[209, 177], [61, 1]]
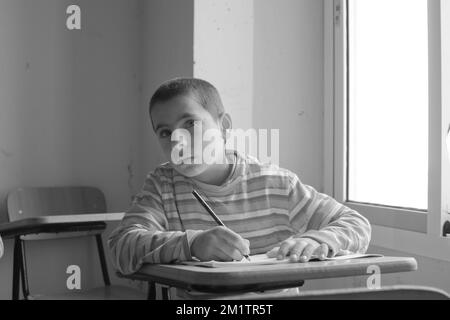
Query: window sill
[[405, 219]]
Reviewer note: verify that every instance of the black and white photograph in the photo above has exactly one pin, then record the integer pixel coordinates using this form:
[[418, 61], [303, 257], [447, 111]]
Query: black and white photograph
[[228, 157]]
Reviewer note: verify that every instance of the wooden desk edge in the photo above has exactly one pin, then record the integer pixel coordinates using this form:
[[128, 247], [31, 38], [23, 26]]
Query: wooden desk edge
[[187, 276]]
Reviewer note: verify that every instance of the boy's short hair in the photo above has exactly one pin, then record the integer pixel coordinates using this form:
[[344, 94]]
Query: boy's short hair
[[200, 90]]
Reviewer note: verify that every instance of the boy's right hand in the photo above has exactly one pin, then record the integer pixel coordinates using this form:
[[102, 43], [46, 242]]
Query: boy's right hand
[[220, 244]]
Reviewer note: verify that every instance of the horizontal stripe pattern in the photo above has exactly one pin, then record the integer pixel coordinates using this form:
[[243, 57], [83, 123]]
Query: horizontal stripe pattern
[[265, 205]]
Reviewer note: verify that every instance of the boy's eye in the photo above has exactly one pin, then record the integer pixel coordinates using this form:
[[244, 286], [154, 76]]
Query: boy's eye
[[189, 123], [164, 133]]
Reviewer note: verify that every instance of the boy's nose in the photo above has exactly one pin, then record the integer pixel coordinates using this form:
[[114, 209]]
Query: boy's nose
[[177, 147], [181, 150]]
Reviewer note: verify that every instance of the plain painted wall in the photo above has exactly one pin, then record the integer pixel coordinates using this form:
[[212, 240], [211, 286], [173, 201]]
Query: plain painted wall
[[223, 54], [288, 82]]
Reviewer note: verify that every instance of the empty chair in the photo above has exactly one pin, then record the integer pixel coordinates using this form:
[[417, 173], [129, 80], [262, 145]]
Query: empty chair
[[36, 205]]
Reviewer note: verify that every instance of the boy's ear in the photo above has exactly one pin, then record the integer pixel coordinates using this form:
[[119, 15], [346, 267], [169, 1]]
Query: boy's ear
[[226, 124]]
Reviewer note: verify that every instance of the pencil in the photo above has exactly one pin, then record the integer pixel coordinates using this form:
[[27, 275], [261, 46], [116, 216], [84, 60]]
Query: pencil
[[211, 212]]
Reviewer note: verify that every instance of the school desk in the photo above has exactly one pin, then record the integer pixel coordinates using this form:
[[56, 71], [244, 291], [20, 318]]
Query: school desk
[[50, 224], [229, 280]]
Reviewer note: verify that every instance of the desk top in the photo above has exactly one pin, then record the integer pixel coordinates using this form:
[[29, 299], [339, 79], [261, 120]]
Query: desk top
[[280, 275], [9, 229]]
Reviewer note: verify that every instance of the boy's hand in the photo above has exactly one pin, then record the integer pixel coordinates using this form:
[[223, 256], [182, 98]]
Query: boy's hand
[[299, 249], [220, 244]]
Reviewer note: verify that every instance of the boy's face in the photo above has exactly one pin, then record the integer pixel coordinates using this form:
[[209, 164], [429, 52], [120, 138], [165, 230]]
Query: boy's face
[[169, 118]]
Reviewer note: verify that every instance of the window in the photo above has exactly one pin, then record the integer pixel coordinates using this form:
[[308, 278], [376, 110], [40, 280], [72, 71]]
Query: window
[[385, 93], [387, 103]]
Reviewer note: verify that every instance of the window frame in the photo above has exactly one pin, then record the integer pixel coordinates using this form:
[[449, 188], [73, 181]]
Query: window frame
[[393, 227]]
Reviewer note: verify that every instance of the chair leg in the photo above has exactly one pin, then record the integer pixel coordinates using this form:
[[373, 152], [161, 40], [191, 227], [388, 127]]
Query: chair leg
[[165, 293], [16, 268], [151, 293], [101, 253], [24, 272]]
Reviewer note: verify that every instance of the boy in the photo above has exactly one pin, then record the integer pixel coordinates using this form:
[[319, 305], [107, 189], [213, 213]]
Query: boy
[[264, 207]]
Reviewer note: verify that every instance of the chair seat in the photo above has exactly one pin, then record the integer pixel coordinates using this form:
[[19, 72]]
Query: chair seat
[[101, 293]]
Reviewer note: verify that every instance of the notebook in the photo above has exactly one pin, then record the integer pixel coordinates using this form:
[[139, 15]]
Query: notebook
[[263, 259]]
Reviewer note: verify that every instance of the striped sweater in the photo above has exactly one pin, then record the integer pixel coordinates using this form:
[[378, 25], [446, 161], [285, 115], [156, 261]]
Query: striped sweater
[[263, 203]]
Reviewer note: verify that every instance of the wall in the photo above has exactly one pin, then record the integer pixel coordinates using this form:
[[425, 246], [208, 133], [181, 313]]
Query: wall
[[288, 82], [68, 116], [223, 54]]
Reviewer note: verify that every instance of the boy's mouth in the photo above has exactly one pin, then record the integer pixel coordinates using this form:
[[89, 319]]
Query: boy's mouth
[[187, 160]]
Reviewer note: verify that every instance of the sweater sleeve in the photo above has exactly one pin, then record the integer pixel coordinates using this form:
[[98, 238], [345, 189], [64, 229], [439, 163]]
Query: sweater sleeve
[[319, 217], [143, 235]]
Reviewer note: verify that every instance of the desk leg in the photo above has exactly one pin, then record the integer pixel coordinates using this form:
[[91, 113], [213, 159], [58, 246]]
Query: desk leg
[[165, 293], [16, 268], [151, 293]]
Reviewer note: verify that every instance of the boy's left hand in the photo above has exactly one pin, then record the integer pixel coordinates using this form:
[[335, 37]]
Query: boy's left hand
[[300, 249]]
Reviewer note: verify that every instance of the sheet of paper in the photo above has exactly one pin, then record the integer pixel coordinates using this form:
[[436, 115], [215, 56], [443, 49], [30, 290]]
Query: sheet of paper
[[263, 259]]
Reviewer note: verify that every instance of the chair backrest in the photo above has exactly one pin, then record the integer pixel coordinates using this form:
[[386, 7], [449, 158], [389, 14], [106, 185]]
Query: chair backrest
[[46, 201], [49, 201]]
